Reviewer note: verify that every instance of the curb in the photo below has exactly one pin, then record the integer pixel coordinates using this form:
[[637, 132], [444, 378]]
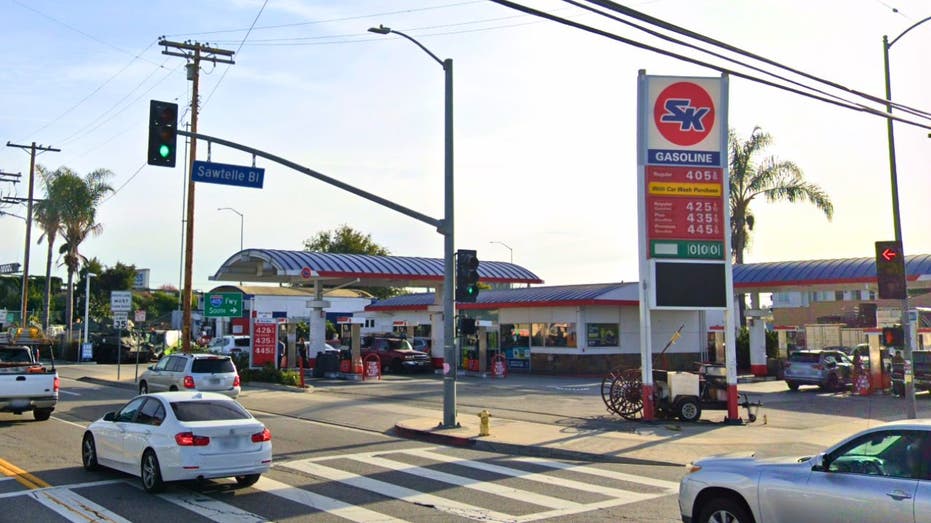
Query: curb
[[523, 450], [250, 385]]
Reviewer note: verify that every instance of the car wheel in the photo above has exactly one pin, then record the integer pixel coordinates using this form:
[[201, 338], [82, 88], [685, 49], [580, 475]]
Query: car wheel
[[150, 473], [396, 366], [724, 510], [247, 480], [173, 388], [831, 383], [688, 409], [89, 452], [792, 385], [143, 387], [42, 414]]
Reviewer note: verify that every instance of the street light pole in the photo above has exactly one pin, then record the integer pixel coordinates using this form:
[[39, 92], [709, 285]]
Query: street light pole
[[240, 222], [506, 246], [447, 230], [87, 299], [910, 405]]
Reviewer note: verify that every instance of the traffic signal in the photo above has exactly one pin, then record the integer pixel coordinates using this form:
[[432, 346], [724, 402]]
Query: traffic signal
[[890, 270], [893, 337], [466, 276], [467, 326], [163, 133]]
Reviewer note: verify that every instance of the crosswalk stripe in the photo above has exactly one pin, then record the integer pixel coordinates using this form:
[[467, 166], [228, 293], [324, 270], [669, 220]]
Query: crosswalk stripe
[[668, 485], [481, 486], [411, 496], [211, 508], [74, 507], [322, 503], [626, 496]]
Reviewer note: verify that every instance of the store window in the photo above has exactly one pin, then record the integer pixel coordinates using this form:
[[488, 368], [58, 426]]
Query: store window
[[602, 334], [561, 335]]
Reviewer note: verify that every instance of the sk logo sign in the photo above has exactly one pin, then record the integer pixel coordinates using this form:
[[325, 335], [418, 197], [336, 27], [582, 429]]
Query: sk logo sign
[[684, 113]]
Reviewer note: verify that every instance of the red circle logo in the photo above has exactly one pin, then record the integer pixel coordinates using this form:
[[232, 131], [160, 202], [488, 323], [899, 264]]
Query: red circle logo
[[684, 113]]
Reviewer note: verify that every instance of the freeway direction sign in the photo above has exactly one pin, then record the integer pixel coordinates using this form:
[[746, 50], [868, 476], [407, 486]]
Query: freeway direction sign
[[226, 174], [223, 305]]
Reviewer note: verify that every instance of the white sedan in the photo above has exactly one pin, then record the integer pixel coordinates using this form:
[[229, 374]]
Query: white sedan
[[879, 475], [176, 436]]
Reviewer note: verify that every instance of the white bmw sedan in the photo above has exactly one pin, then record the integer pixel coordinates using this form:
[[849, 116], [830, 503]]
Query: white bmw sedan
[[176, 436], [879, 475]]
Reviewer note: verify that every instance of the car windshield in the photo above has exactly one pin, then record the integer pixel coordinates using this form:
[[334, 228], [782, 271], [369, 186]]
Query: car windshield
[[14, 355], [241, 342], [399, 345], [804, 357], [212, 366], [208, 410]]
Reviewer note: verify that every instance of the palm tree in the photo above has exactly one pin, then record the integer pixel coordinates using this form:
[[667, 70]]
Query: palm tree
[[47, 215], [78, 221], [771, 178]]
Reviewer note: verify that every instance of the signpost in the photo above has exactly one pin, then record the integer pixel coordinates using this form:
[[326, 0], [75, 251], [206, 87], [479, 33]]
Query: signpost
[[227, 174], [684, 212], [139, 316], [223, 305], [264, 343], [121, 301]]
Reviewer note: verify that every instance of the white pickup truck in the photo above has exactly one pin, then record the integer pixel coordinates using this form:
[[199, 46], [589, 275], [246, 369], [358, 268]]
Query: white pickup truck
[[25, 384]]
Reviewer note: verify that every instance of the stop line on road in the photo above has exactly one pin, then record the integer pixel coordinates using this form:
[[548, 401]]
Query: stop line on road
[[425, 480]]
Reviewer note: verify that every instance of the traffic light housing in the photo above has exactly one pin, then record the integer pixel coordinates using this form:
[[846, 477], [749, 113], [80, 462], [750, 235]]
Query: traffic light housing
[[890, 270], [163, 133], [466, 276], [893, 337]]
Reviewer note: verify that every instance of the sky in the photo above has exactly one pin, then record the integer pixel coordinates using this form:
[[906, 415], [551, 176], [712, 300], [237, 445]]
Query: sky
[[545, 124]]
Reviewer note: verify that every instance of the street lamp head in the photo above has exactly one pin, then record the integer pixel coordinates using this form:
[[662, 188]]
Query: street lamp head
[[381, 29]]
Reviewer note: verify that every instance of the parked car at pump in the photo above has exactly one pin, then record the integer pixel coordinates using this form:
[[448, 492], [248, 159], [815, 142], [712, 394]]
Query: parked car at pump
[[397, 355], [230, 344], [879, 475], [176, 436], [203, 372], [829, 369]]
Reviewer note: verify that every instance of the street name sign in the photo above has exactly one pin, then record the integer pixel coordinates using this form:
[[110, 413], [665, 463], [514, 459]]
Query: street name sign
[[9, 268], [227, 174], [223, 305], [121, 301]]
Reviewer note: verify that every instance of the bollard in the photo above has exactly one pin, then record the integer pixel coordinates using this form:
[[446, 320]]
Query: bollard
[[484, 428]]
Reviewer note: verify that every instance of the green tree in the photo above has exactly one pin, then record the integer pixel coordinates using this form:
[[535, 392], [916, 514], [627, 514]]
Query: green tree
[[346, 240], [79, 220], [47, 215], [773, 179]]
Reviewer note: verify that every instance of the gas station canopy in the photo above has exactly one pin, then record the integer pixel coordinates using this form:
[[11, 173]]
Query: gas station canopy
[[837, 274], [278, 266]]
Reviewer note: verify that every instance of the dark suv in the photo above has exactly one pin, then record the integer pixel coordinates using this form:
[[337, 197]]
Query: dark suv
[[397, 354]]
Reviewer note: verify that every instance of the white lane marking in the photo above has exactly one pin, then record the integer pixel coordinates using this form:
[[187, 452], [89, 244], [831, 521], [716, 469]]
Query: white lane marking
[[474, 484], [405, 494], [322, 503], [65, 487], [621, 476], [78, 425], [627, 495], [68, 392], [361, 455], [73, 507], [211, 508]]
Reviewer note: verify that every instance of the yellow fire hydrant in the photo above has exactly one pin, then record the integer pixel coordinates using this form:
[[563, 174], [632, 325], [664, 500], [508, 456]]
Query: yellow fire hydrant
[[484, 429]]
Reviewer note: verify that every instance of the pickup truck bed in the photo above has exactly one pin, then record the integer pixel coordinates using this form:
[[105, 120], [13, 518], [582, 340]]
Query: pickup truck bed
[[25, 384]]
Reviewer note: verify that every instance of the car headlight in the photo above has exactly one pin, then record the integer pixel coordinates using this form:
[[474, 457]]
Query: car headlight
[[692, 468]]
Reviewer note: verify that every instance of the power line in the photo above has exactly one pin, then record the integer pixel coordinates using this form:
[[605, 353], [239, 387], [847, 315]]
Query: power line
[[695, 61], [256, 19]]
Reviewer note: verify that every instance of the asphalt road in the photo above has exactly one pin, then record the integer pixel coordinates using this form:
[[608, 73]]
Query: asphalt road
[[335, 460]]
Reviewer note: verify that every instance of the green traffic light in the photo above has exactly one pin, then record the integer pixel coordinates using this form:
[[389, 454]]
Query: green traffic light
[[164, 151]]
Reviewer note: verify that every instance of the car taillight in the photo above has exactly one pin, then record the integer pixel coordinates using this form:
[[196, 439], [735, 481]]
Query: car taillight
[[189, 382], [236, 381], [57, 384], [259, 437], [188, 439]]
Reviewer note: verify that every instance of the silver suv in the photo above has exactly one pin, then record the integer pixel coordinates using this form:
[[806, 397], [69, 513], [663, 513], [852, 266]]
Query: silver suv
[[829, 369], [203, 372]]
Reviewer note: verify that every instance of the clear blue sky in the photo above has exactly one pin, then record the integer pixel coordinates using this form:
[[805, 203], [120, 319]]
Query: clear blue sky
[[545, 124]]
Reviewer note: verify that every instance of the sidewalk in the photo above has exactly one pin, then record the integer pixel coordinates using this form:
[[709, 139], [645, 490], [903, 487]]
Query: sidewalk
[[787, 426]]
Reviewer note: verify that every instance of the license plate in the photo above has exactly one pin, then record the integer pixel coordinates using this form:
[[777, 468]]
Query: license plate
[[228, 443], [214, 381]]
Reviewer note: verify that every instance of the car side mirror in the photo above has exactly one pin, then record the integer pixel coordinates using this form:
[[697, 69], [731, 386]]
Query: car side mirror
[[817, 463], [110, 416]]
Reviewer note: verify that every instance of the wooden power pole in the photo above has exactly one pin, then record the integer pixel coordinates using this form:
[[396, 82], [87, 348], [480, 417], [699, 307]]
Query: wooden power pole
[[24, 304], [194, 53]]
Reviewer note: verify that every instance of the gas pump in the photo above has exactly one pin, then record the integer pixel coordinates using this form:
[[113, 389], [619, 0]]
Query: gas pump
[[354, 325]]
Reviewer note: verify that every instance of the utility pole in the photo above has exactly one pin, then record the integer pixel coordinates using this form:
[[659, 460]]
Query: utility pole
[[24, 308], [193, 53]]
